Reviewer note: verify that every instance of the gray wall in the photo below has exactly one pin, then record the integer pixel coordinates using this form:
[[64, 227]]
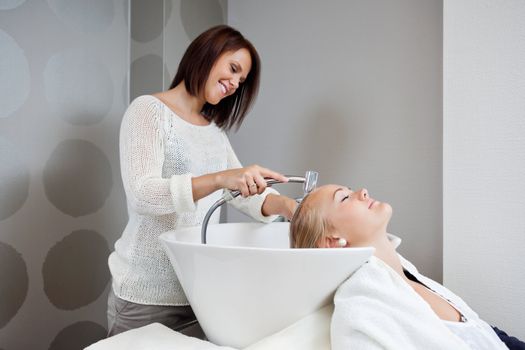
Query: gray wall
[[63, 91], [353, 89], [484, 158], [189, 19], [147, 30], [161, 30], [62, 95]]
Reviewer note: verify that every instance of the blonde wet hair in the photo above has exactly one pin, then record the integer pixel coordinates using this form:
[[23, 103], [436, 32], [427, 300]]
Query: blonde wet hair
[[308, 227]]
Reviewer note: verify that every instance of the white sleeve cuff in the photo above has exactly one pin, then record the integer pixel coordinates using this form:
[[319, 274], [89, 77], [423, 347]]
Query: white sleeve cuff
[[252, 205], [182, 193]]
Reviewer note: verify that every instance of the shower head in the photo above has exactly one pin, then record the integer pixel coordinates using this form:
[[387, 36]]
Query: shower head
[[310, 181]]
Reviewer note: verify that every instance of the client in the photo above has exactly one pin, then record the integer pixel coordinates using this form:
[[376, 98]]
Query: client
[[387, 303]]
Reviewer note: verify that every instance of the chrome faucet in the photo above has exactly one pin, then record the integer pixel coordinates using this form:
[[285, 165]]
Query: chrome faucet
[[309, 182]]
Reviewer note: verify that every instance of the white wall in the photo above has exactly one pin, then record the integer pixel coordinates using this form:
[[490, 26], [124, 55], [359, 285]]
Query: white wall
[[353, 89], [484, 157]]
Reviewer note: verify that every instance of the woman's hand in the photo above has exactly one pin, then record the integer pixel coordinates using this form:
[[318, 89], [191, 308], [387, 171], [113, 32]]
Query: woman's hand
[[248, 180], [279, 205], [289, 207]]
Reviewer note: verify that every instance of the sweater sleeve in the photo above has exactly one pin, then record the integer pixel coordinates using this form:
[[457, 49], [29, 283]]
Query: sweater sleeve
[[252, 205], [142, 158]]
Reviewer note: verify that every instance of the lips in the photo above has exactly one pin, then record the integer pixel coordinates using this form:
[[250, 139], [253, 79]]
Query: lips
[[371, 203], [224, 89]]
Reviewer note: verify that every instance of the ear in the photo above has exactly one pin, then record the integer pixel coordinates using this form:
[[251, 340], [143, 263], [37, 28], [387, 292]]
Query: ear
[[332, 241], [325, 242]]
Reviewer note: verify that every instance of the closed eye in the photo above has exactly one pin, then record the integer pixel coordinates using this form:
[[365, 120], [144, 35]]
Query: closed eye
[[345, 198]]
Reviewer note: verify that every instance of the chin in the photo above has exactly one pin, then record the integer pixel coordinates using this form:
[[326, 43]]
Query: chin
[[386, 211], [214, 101], [388, 208]]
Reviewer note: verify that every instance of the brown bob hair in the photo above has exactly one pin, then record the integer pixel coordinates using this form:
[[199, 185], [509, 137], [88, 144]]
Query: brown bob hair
[[195, 67]]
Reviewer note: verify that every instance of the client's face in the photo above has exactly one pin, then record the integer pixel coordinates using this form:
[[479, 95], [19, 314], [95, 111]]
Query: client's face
[[354, 216]]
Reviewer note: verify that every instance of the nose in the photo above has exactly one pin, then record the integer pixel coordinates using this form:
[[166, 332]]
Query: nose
[[234, 83], [363, 194]]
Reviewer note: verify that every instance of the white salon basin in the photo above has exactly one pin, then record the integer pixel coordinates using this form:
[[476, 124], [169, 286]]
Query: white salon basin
[[246, 283]]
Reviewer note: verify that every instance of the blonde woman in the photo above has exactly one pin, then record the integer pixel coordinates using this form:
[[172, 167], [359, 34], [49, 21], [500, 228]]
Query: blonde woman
[[387, 303]]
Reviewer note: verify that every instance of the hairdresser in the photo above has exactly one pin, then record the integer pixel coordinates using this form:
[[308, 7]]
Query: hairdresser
[[175, 161]]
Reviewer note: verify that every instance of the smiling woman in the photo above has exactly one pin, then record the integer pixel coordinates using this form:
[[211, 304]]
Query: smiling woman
[[219, 59], [220, 83], [175, 160], [387, 303]]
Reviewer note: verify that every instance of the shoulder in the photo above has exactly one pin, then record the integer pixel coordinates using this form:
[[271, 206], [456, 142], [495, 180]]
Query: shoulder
[[371, 276], [364, 295], [147, 102], [220, 132], [145, 109], [144, 113]]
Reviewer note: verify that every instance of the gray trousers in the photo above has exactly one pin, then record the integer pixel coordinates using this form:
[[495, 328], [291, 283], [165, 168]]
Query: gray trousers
[[124, 315]]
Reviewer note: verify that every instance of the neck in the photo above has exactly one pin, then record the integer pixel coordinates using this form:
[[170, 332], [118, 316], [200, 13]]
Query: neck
[[185, 102], [386, 252]]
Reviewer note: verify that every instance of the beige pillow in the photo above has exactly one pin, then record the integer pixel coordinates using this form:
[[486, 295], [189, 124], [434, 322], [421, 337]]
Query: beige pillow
[[309, 333], [154, 336]]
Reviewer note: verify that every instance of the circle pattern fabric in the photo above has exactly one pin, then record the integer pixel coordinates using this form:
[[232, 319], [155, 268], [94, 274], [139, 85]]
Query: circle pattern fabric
[[75, 271], [154, 12], [90, 17], [10, 4], [198, 15], [78, 88], [15, 79], [15, 281], [78, 336], [77, 178], [14, 180]]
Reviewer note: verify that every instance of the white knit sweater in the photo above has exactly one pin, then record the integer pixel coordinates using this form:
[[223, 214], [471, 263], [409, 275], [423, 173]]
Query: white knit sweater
[[159, 154]]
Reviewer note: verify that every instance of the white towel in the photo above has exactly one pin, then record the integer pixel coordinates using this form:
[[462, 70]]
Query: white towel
[[376, 309]]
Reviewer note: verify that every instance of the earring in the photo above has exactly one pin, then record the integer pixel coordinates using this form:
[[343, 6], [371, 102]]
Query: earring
[[342, 242]]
